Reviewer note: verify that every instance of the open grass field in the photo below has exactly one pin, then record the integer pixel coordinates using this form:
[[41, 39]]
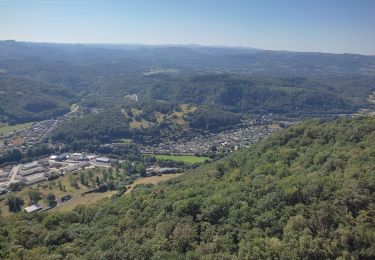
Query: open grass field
[[10, 128], [86, 200], [152, 180], [182, 158], [126, 140], [136, 124], [187, 108]]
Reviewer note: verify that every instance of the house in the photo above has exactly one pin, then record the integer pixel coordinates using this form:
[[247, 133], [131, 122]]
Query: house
[[33, 208]]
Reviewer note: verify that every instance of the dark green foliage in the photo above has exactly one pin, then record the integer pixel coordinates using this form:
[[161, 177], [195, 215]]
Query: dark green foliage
[[15, 155], [307, 192], [212, 119], [50, 199], [26, 100], [102, 126], [34, 196], [14, 203], [17, 186]]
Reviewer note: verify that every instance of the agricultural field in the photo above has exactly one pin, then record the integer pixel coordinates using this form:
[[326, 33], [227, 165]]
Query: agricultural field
[[10, 128], [189, 159]]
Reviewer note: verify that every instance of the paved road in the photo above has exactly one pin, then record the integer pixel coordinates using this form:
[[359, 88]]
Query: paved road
[[13, 174], [45, 135]]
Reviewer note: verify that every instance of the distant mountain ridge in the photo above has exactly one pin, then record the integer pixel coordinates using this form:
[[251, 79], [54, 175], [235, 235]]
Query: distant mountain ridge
[[196, 56]]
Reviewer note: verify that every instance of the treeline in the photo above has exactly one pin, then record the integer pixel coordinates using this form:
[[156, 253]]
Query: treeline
[[304, 193]]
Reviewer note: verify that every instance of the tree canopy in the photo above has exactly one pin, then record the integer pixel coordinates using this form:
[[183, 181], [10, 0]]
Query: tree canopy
[[305, 192]]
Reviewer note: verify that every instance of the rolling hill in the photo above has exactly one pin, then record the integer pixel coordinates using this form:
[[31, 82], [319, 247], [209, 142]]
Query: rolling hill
[[305, 192]]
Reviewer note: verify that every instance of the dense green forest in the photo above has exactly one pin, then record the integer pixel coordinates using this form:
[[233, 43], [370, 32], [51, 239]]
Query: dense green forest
[[24, 100], [306, 192], [100, 127], [212, 119]]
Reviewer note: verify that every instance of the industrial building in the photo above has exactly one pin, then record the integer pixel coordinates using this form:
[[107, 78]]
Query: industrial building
[[29, 166], [35, 179], [61, 157], [103, 160], [31, 171]]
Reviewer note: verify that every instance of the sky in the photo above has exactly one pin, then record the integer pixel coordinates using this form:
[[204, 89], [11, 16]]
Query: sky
[[335, 26]]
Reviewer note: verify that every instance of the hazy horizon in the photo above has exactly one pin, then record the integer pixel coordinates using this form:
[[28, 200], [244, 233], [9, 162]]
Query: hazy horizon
[[303, 26], [179, 45]]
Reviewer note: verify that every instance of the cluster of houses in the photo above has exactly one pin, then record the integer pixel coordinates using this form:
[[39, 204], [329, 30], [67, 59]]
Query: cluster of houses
[[25, 138], [203, 144]]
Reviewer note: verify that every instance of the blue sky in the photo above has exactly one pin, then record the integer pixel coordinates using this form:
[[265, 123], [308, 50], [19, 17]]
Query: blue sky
[[301, 25]]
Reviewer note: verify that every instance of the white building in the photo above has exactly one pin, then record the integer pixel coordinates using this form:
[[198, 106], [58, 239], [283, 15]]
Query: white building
[[33, 208]]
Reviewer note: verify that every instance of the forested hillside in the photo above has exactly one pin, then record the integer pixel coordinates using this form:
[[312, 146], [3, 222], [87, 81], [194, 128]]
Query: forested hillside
[[257, 95], [23, 100], [306, 192], [39, 81]]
